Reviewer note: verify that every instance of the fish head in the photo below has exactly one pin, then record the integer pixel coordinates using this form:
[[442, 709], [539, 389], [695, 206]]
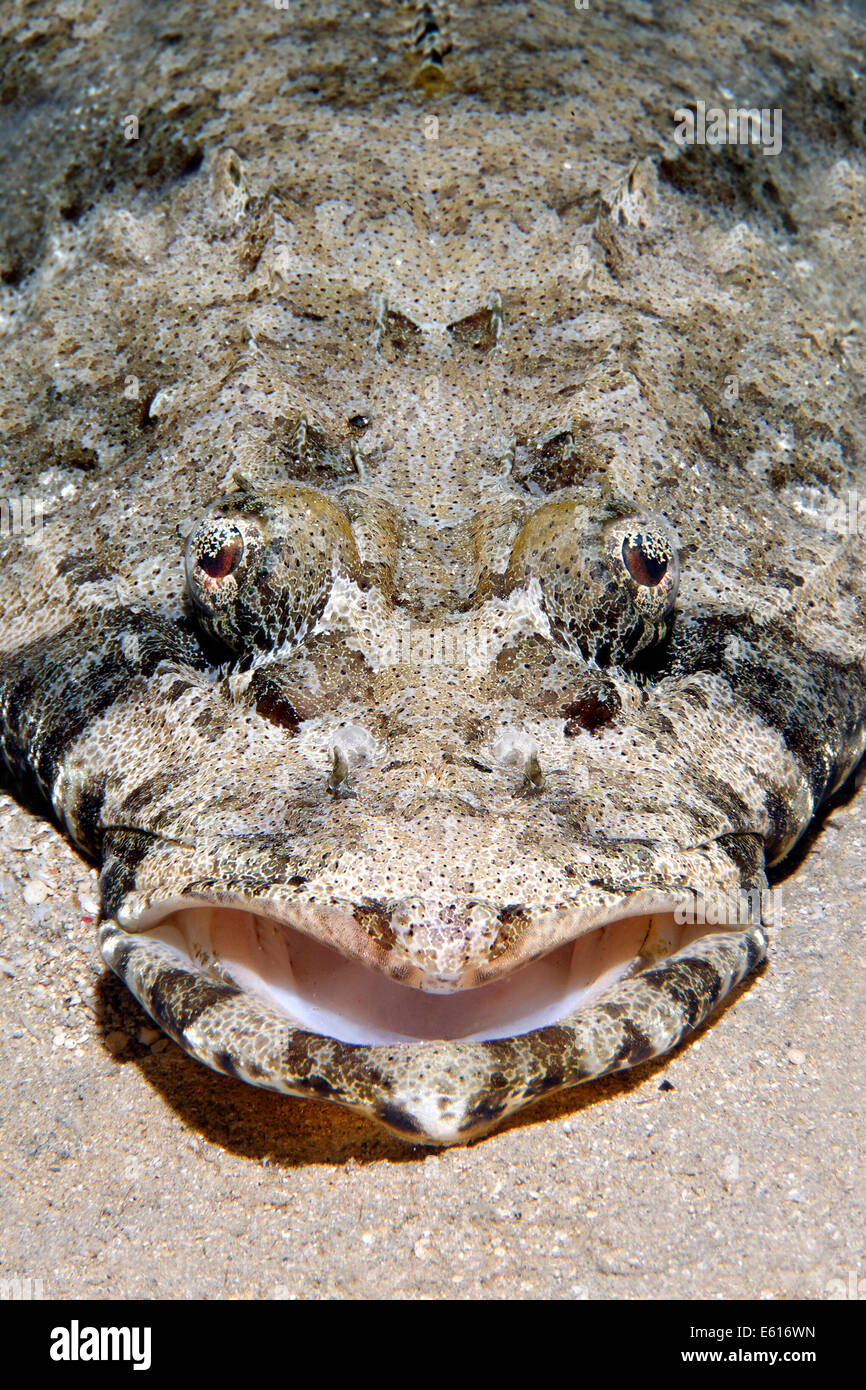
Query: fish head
[[440, 671], [408, 853]]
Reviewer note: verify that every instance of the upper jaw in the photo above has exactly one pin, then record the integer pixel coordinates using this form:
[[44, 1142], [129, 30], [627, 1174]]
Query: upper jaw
[[437, 955], [425, 943]]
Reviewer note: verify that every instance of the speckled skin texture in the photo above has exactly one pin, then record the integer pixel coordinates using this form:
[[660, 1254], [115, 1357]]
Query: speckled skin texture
[[449, 355]]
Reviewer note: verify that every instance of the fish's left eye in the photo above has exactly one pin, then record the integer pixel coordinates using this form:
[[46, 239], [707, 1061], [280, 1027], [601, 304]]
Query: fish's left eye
[[643, 566], [607, 579], [217, 552]]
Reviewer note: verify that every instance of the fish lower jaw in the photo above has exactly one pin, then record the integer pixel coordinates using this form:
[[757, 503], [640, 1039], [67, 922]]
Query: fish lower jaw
[[317, 989]]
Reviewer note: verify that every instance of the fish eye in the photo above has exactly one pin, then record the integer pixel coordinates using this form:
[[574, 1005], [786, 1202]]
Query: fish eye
[[644, 567], [260, 567], [643, 552], [213, 552], [607, 580]]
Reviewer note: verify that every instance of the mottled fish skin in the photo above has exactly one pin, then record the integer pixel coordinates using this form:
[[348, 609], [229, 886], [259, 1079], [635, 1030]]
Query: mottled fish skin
[[406, 419]]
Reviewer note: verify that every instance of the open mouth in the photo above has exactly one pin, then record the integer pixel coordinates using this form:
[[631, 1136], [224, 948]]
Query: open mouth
[[316, 988], [263, 1000]]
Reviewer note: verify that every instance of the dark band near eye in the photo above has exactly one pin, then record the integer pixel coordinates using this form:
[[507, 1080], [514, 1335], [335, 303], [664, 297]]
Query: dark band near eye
[[644, 567]]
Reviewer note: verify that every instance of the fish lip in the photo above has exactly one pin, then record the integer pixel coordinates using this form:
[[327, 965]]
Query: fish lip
[[256, 946], [425, 1089], [430, 1092], [145, 871], [340, 929], [142, 912]]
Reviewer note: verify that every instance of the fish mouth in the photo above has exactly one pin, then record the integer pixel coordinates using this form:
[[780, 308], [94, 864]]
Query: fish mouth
[[334, 993], [255, 996]]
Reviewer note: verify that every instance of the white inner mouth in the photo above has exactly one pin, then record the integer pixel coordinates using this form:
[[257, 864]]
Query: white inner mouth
[[320, 990]]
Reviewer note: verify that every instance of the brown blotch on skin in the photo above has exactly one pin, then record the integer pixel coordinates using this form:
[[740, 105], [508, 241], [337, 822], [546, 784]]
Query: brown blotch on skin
[[603, 234], [476, 330], [635, 1046], [566, 459], [474, 729], [274, 705], [376, 922], [591, 710], [513, 920], [401, 330]]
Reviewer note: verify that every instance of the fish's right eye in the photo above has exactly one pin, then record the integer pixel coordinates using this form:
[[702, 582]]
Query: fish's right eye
[[260, 568]]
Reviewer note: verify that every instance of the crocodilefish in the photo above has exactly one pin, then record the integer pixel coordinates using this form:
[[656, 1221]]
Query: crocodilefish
[[445, 603]]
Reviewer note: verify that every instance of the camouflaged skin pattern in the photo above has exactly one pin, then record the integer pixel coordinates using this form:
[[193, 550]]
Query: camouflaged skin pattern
[[465, 319]]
